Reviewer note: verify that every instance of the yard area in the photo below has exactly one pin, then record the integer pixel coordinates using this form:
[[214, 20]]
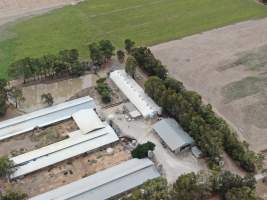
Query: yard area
[[145, 21], [227, 67], [70, 170], [172, 165], [36, 139]]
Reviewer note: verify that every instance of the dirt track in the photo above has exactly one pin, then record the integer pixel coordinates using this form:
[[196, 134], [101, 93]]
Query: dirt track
[[11, 10], [228, 67]]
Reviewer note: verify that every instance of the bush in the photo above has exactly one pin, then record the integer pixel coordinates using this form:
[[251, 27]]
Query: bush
[[141, 151], [104, 90], [13, 195], [6, 167]]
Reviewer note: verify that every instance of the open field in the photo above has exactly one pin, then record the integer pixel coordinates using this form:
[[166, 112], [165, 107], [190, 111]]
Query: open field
[[145, 21], [228, 67]]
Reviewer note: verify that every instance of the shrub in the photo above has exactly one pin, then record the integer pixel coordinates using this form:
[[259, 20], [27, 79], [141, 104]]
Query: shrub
[[141, 151]]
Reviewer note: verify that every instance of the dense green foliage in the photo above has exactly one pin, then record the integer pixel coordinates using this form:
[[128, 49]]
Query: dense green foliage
[[3, 97], [130, 66], [190, 187], [145, 21], [101, 52], [156, 189], [199, 186], [104, 90], [48, 66], [13, 195], [6, 166], [120, 55], [146, 61], [141, 151]]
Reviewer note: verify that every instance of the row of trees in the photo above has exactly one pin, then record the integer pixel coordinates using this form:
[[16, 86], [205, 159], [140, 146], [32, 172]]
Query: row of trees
[[66, 62], [143, 57], [197, 187], [211, 133]]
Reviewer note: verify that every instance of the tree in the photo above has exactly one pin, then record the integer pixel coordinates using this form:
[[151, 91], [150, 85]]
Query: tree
[[107, 49], [70, 56], [120, 55], [190, 187], [47, 98], [155, 189], [16, 95], [242, 193], [3, 97], [130, 66], [13, 195], [6, 167], [141, 151], [129, 45], [104, 90], [96, 54]]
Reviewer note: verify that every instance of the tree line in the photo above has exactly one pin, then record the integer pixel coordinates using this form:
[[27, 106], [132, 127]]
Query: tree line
[[211, 133], [201, 186], [66, 62]]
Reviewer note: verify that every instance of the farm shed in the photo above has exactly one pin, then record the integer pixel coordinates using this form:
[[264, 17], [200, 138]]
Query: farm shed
[[107, 183], [173, 135], [44, 117], [63, 150], [145, 105]]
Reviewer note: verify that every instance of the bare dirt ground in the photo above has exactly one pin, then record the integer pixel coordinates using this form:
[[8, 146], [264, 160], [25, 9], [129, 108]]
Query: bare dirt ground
[[228, 67], [33, 140], [61, 91], [71, 170], [11, 10]]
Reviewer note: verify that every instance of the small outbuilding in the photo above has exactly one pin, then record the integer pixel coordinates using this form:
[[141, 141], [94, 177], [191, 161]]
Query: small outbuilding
[[172, 134]]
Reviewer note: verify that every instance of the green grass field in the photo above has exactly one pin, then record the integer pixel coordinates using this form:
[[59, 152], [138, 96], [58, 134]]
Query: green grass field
[[145, 21]]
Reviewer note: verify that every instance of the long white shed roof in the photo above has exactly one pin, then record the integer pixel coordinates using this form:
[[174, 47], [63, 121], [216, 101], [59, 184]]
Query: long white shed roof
[[107, 183], [43, 117], [60, 151], [146, 106]]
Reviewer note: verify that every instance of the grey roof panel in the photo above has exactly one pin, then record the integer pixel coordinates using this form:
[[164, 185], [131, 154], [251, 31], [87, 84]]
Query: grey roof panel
[[172, 134], [105, 184]]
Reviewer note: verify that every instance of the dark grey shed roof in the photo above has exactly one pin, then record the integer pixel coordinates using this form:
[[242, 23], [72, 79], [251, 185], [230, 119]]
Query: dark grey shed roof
[[172, 134]]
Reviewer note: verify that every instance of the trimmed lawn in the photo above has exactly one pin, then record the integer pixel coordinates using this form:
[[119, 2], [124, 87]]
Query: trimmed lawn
[[147, 22]]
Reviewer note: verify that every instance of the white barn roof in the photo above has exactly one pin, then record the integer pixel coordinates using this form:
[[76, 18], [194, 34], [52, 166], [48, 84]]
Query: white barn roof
[[172, 134], [87, 120], [107, 183], [43, 117], [146, 106], [63, 150]]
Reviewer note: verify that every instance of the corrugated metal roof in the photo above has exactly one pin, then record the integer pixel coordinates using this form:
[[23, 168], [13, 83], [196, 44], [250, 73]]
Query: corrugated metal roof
[[107, 183], [43, 117], [146, 106], [63, 150], [172, 134], [87, 120]]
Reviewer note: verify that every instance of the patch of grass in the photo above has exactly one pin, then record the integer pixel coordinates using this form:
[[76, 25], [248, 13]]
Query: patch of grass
[[145, 21], [246, 87], [252, 60]]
